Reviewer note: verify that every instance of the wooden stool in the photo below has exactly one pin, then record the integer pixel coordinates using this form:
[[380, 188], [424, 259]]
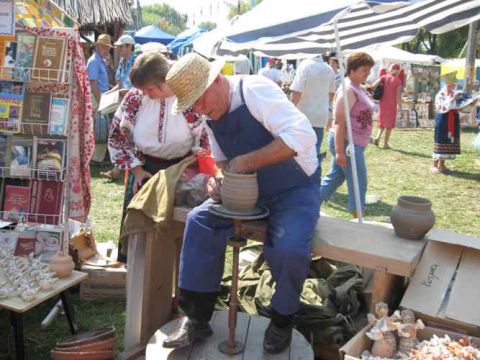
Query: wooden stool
[[232, 346], [250, 332]]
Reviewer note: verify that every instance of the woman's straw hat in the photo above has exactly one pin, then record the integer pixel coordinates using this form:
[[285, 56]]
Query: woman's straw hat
[[189, 77], [450, 77], [104, 39]]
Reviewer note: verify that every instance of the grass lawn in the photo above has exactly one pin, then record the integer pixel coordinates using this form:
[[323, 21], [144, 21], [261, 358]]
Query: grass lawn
[[403, 170]]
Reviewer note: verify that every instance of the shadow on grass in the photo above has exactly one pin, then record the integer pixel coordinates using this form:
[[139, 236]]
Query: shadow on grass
[[380, 208], [465, 175], [411, 153]]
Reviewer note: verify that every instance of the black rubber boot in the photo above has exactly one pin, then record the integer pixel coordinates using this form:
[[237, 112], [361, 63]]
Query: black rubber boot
[[279, 333], [198, 308]]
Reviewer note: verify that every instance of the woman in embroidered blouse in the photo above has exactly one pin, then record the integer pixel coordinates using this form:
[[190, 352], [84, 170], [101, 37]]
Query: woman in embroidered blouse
[[146, 136], [447, 125]]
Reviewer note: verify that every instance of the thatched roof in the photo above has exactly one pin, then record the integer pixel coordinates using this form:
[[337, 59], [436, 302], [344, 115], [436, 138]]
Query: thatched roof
[[92, 13]]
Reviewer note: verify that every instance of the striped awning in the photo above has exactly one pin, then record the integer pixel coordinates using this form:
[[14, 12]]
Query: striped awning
[[307, 27]]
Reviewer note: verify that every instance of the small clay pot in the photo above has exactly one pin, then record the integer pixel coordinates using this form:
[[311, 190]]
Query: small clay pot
[[412, 217], [62, 265], [239, 191], [87, 338]]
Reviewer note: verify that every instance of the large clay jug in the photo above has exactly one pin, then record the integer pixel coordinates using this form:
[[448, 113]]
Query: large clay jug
[[239, 191], [412, 217]]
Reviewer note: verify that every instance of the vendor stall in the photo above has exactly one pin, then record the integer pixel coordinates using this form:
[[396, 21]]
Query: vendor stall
[[46, 136]]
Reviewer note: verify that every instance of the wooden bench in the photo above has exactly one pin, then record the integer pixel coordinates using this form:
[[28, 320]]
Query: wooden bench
[[152, 266]]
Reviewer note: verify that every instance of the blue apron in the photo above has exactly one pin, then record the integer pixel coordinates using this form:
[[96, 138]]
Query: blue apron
[[293, 199]]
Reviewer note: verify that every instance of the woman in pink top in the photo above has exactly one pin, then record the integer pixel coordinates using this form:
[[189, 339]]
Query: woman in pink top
[[361, 110], [392, 89]]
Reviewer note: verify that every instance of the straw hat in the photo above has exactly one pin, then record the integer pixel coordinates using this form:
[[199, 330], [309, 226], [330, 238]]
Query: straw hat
[[450, 77], [104, 39], [189, 77]]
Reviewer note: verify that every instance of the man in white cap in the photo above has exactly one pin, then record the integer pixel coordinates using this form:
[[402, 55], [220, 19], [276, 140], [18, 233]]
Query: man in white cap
[[252, 127], [126, 46]]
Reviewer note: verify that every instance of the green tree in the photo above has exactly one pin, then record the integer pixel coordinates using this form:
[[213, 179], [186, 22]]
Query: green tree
[[207, 25], [165, 17], [241, 7], [446, 45]]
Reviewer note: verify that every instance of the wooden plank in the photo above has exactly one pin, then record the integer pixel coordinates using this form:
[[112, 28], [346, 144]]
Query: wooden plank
[[17, 304], [383, 285], [209, 349], [155, 349], [368, 245], [254, 345], [135, 286], [158, 280]]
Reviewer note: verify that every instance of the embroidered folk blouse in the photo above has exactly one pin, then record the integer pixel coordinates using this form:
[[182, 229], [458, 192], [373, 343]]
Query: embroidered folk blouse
[[143, 126], [444, 102]]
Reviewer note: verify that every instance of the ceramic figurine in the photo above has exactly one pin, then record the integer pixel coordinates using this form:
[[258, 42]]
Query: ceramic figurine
[[407, 332], [384, 342]]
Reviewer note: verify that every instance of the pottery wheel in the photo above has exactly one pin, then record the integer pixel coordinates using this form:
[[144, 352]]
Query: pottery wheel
[[258, 212]]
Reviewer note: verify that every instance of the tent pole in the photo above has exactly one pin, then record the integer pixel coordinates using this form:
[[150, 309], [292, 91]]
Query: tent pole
[[350, 151], [470, 60]]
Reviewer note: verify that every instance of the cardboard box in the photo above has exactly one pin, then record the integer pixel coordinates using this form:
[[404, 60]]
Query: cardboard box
[[103, 282], [444, 287], [353, 349]]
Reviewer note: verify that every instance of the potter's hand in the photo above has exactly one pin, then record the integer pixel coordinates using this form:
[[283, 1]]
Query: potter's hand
[[341, 159], [213, 188], [140, 176], [240, 165]]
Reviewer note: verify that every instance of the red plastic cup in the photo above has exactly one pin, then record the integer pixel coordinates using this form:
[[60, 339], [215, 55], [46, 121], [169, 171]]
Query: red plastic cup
[[206, 164]]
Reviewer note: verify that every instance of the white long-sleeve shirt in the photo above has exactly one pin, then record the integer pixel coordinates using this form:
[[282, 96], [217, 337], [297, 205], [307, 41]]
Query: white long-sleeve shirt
[[269, 105]]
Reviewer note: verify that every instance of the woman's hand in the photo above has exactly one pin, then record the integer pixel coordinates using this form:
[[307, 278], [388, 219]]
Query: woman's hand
[[213, 188], [341, 159], [140, 176]]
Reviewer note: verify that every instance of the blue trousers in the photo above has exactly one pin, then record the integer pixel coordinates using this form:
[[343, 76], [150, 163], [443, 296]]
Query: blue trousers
[[291, 225], [338, 174], [319, 133]]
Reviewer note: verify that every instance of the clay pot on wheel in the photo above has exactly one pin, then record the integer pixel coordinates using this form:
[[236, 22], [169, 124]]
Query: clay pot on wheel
[[239, 191], [412, 217]]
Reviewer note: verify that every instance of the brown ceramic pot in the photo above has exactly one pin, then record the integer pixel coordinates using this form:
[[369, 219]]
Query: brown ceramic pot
[[87, 338], [94, 345], [83, 355], [239, 191], [412, 217], [62, 265]]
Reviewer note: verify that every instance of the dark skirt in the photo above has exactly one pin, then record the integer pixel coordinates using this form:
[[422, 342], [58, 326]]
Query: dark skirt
[[153, 166], [447, 133]]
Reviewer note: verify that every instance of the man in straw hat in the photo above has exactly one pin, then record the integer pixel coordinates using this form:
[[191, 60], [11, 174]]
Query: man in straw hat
[[447, 125], [98, 75], [252, 127]]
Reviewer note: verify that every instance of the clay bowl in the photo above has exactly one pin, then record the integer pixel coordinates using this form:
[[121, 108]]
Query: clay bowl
[[87, 338], [83, 355], [107, 344], [239, 191]]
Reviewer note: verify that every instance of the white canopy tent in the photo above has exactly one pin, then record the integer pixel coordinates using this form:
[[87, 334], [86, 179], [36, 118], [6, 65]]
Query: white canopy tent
[[280, 27]]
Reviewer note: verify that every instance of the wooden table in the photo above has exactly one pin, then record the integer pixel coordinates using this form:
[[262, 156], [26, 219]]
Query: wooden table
[[17, 306], [250, 330], [152, 267]]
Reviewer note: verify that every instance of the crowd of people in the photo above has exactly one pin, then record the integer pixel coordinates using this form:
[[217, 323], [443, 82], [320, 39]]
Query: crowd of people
[[250, 125]]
